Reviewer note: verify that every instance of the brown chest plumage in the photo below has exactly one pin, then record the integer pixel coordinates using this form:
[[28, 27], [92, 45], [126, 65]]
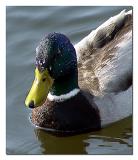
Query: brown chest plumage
[[73, 115]]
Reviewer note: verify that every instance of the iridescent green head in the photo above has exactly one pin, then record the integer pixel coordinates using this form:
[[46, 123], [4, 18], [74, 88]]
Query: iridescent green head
[[56, 69]]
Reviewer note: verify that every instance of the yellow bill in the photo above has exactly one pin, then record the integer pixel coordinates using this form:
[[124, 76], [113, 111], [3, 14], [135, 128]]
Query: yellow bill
[[40, 88]]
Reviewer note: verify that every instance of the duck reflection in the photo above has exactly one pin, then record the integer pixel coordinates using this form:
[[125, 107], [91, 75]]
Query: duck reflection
[[52, 144], [105, 141]]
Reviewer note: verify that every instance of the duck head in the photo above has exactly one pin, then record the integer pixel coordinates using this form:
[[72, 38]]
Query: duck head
[[56, 69]]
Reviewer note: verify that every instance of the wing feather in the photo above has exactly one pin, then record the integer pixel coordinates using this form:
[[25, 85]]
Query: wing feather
[[105, 56]]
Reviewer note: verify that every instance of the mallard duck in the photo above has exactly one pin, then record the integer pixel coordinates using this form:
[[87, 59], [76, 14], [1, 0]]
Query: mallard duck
[[87, 86]]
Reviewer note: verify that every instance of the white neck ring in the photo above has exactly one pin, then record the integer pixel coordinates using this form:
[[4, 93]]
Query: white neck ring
[[63, 97]]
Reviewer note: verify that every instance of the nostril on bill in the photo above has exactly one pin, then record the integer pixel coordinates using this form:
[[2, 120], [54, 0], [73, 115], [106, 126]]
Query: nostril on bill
[[31, 104]]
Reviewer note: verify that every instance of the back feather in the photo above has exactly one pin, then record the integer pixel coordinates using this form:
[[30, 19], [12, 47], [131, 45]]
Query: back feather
[[105, 56]]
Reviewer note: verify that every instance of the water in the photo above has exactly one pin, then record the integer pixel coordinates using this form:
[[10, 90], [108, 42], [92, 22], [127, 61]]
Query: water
[[25, 27]]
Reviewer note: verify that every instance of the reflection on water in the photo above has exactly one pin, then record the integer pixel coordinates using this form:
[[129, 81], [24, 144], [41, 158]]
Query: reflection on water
[[115, 139], [25, 26], [60, 145], [101, 142]]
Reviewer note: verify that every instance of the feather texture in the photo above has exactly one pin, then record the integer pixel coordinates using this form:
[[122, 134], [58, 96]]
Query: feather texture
[[105, 56]]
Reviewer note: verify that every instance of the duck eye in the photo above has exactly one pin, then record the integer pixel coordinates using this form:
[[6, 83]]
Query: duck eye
[[44, 79]]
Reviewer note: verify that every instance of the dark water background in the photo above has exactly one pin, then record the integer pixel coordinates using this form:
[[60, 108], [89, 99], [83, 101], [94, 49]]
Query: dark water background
[[25, 27]]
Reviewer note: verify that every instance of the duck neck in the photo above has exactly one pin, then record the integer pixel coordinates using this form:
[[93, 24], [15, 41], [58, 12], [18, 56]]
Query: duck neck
[[65, 85]]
